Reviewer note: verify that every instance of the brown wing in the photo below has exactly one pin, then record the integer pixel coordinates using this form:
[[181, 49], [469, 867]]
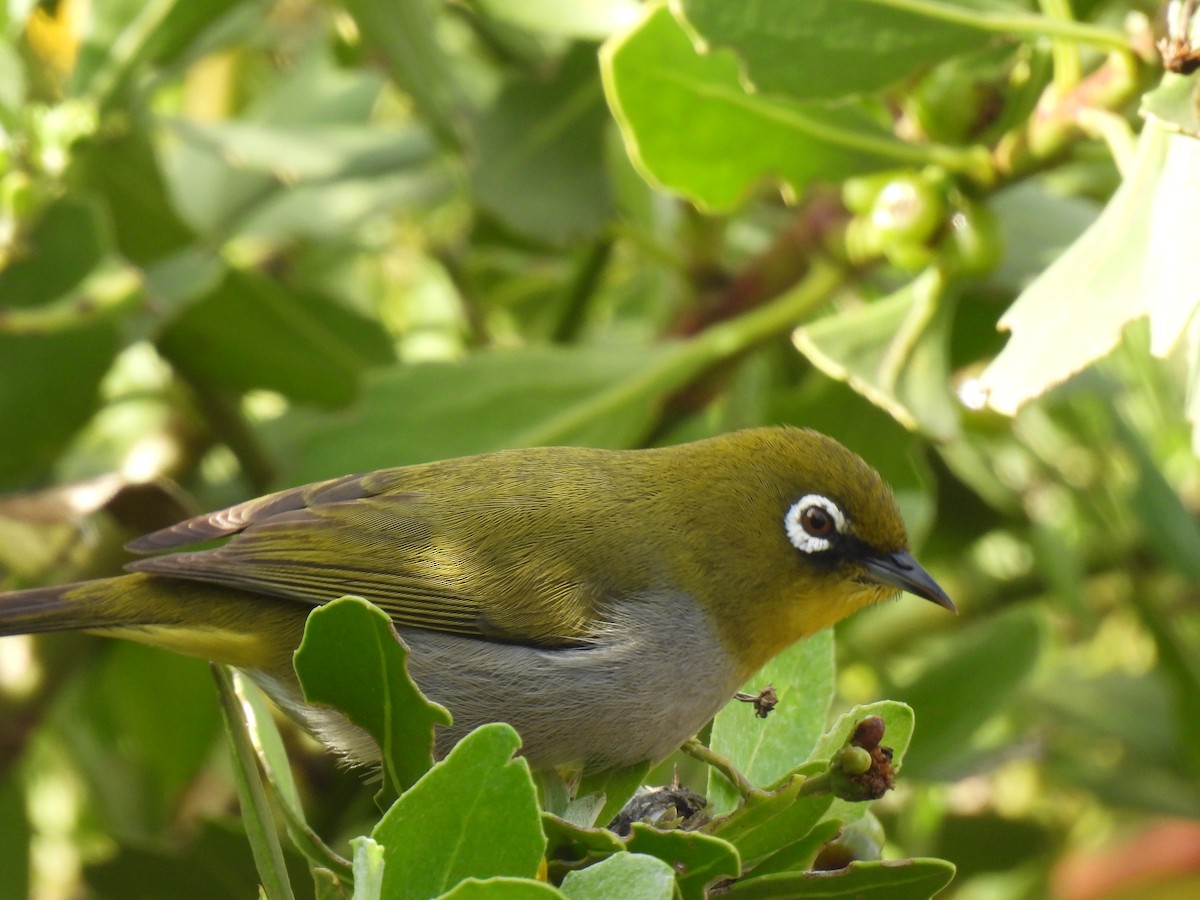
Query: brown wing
[[360, 535]]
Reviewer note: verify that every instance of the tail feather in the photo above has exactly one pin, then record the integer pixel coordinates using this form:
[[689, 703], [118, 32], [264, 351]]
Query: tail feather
[[212, 622], [67, 607]]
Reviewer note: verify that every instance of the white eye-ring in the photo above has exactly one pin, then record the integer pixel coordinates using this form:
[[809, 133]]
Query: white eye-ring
[[812, 521]]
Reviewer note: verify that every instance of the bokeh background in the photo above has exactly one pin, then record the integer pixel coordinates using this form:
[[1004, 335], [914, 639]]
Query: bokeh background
[[246, 244]]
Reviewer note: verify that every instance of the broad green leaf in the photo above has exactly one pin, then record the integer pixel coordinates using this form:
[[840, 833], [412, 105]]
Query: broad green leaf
[[970, 681], [1135, 260], [630, 876], [1173, 104], [894, 352], [766, 822], [691, 126], [473, 815], [790, 855], [320, 151], [249, 332], [225, 181], [540, 162], [67, 242], [405, 36], [826, 49], [699, 859], [50, 380], [908, 879], [123, 168], [349, 645], [1037, 224], [569, 842], [490, 400], [764, 749], [501, 888], [594, 19], [598, 396]]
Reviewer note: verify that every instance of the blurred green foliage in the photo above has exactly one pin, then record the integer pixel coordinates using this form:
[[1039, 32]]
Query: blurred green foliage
[[246, 244]]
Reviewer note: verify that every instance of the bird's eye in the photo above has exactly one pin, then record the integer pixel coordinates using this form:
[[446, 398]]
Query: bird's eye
[[817, 522], [812, 523]]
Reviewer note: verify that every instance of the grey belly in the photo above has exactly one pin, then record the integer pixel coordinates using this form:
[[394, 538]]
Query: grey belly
[[636, 694]]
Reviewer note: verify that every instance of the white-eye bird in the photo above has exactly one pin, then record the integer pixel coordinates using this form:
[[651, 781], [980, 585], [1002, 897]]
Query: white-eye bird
[[605, 603]]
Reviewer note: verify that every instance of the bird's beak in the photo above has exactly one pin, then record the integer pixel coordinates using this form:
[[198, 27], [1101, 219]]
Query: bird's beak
[[900, 570]]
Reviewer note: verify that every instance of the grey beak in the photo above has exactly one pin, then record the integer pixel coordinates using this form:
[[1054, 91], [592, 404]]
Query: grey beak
[[900, 570]]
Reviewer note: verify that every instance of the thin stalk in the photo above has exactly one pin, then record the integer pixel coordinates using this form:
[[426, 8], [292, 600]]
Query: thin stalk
[[697, 750], [1015, 23], [256, 812], [1067, 68]]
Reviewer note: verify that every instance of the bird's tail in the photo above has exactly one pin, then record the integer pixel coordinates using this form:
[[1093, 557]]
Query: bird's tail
[[66, 607], [196, 619]]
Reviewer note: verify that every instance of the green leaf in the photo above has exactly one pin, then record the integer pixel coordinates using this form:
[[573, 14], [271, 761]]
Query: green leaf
[[66, 244], [894, 352], [540, 164], [50, 381], [595, 19], [474, 814], [1173, 104], [826, 49], [571, 843], [405, 36], [909, 879], [699, 859], [973, 679], [1135, 260], [766, 822], [256, 812], [539, 395], [317, 151], [501, 889], [123, 168], [249, 332], [691, 126], [349, 645], [764, 749], [629, 876], [602, 396]]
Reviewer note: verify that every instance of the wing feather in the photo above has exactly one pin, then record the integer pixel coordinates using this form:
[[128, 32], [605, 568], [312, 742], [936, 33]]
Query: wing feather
[[359, 535]]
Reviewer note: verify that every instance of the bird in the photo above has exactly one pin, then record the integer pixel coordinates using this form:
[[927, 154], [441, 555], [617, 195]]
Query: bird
[[605, 603]]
